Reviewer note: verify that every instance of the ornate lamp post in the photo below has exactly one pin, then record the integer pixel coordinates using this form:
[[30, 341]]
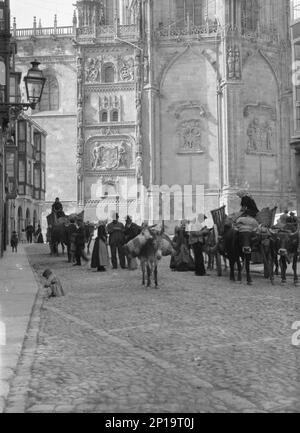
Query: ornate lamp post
[[34, 83]]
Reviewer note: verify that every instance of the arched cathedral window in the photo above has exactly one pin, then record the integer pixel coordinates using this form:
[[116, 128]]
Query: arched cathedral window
[[250, 15], [198, 12], [104, 116], [50, 97], [115, 116]]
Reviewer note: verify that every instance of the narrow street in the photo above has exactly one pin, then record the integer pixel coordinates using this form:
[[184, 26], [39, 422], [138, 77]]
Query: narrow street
[[198, 344]]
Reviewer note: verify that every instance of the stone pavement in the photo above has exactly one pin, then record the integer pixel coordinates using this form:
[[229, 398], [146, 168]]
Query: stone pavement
[[18, 291], [198, 344]]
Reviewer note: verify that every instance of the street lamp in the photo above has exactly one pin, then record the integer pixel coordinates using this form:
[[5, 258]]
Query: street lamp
[[34, 83]]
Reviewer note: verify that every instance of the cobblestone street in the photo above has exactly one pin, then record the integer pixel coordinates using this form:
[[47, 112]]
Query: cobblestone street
[[198, 344]]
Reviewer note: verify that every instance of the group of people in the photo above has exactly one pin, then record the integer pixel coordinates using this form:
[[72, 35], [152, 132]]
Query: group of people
[[189, 238], [29, 234], [116, 235]]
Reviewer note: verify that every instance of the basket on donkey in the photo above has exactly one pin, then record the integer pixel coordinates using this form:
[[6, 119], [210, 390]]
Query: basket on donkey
[[266, 216], [219, 217]]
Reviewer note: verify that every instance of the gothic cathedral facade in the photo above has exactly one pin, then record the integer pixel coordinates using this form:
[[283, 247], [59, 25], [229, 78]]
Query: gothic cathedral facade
[[144, 93]]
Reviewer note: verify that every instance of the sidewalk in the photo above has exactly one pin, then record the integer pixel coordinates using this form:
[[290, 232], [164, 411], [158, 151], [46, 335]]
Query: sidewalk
[[18, 290]]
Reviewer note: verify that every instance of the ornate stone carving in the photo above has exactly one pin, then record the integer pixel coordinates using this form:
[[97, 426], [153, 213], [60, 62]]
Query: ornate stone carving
[[237, 63], [233, 63], [79, 168], [109, 131], [260, 129], [109, 102], [124, 156], [139, 167], [138, 102], [111, 155], [92, 70], [189, 133], [260, 136], [178, 109], [126, 69]]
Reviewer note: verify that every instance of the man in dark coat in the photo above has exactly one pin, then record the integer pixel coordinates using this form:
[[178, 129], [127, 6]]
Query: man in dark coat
[[132, 230], [70, 229], [116, 231], [57, 208], [80, 243], [29, 232]]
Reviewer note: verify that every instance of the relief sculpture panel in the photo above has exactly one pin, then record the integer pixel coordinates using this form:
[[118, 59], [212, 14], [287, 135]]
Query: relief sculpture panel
[[190, 139], [260, 129], [108, 153]]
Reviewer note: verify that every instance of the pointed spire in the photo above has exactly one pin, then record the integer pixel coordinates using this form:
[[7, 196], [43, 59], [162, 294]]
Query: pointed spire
[[14, 26], [55, 20], [74, 19], [40, 23]]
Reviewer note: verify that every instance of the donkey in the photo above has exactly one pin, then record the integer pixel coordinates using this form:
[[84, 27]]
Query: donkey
[[150, 255]]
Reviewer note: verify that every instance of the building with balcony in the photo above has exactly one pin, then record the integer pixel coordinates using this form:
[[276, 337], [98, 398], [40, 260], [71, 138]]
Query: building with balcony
[[27, 206], [22, 145], [295, 136], [185, 92]]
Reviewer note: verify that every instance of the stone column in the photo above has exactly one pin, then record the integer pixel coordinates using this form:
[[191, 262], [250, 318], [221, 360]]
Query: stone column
[[80, 130], [232, 116]]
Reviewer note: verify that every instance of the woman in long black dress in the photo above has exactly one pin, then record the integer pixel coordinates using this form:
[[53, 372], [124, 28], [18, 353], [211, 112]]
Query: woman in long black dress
[[100, 259]]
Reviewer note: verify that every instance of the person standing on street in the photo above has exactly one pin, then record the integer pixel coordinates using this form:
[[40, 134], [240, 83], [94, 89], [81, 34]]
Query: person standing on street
[[14, 242], [196, 240], [116, 231], [132, 230], [39, 235], [70, 230], [100, 259], [80, 243], [29, 232]]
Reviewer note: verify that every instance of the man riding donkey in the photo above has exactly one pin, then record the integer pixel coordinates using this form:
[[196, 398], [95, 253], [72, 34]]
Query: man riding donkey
[[240, 235], [57, 208]]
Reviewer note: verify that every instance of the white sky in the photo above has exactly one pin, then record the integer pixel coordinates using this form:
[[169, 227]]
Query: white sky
[[25, 10]]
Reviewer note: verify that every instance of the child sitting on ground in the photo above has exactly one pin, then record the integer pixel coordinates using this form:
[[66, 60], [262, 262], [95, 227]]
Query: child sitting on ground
[[53, 283], [14, 242]]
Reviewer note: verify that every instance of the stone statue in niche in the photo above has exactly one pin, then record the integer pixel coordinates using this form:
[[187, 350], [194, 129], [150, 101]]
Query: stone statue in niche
[[101, 14], [97, 153], [80, 145], [230, 63], [105, 102], [252, 133], [139, 166], [79, 167], [124, 156], [137, 72], [269, 135], [80, 115], [79, 68], [237, 63], [116, 102]]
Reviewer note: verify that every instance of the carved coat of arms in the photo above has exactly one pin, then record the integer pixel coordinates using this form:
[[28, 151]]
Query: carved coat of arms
[[189, 133], [105, 158], [110, 156]]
